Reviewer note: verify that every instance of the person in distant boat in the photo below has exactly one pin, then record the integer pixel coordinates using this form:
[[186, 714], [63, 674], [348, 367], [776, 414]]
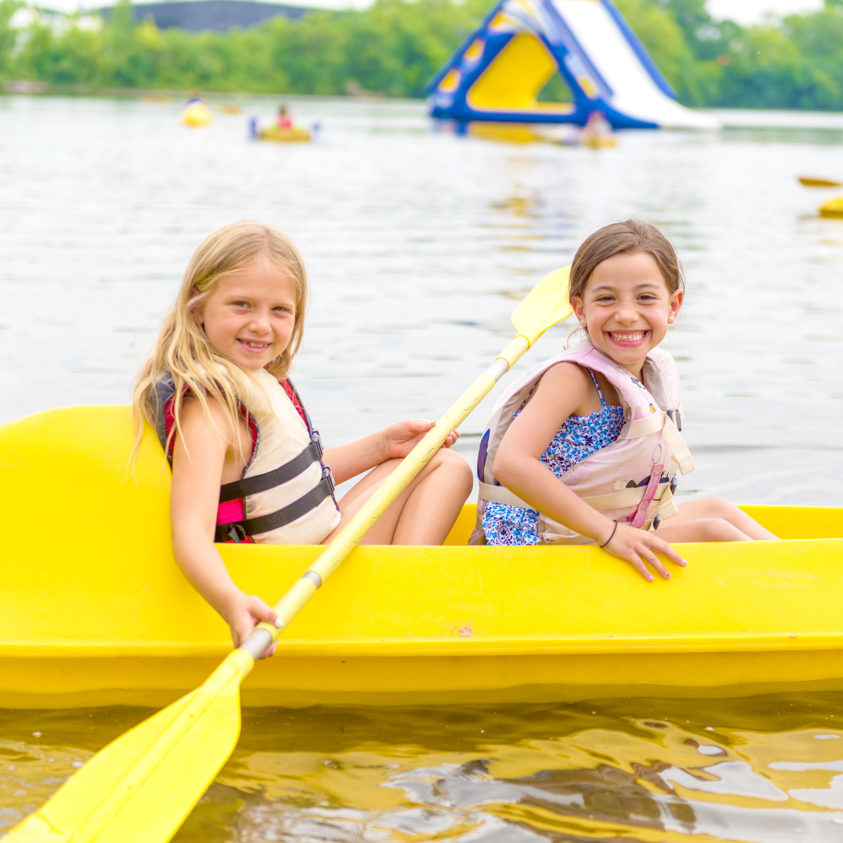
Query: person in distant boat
[[597, 128], [585, 449], [285, 122], [247, 465]]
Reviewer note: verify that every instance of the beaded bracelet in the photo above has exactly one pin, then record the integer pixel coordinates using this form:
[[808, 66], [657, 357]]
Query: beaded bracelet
[[611, 535]]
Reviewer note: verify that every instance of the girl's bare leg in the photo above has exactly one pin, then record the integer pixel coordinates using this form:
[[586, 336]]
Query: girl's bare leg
[[424, 512], [712, 519]]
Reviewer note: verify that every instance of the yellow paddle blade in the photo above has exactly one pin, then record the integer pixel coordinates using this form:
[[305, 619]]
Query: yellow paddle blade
[[545, 305], [142, 786]]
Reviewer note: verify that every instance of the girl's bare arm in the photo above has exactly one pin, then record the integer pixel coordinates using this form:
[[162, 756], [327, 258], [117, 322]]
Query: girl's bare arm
[[198, 460], [395, 441], [564, 390]]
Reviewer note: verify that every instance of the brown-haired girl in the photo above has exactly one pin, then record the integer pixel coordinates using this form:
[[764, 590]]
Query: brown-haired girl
[[586, 448]]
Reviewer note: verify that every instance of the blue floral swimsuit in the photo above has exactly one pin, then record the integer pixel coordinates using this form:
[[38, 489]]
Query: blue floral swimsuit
[[576, 439]]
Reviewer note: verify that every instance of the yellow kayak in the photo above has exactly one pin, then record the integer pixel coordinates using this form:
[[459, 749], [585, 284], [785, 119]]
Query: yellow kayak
[[832, 208], [295, 134], [96, 612]]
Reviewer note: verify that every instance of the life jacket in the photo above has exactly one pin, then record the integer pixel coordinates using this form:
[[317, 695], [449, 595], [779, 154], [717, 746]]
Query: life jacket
[[286, 493], [631, 479]]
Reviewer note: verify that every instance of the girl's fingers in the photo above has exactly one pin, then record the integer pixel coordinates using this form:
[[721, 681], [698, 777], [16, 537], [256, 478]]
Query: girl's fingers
[[643, 570], [667, 550], [639, 548], [261, 612], [656, 564]]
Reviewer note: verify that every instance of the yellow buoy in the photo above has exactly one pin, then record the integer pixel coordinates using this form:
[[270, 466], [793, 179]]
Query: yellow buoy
[[196, 114]]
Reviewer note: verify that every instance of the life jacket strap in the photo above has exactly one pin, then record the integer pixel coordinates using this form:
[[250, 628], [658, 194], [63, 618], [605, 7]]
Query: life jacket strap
[[630, 496], [281, 517], [269, 480]]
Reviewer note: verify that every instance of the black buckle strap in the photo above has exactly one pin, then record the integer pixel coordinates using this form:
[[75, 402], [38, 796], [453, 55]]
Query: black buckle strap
[[239, 530], [269, 479]]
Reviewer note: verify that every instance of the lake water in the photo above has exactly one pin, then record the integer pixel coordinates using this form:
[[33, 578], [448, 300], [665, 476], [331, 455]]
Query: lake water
[[419, 245]]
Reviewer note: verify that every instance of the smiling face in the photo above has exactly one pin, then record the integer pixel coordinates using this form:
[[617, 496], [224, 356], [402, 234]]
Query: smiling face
[[250, 314], [626, 307]]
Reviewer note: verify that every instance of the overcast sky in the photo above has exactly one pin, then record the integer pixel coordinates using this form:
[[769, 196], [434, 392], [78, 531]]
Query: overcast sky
[[751, 11], [742, 11]]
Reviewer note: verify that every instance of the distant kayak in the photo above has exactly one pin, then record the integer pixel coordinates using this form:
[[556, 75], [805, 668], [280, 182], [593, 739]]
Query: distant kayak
[[273, 132], [295, 134], [832, 208], [599, 142], [196, 113]]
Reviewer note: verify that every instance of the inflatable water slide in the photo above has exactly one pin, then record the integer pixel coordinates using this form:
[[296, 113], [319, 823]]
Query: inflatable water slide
[[499, 71]]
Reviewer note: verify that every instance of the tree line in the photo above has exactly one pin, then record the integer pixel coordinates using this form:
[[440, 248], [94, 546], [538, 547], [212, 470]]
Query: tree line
[[395, 47]]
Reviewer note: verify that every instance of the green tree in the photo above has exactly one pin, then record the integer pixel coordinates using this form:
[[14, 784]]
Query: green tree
[[8, 36], [818, 38]]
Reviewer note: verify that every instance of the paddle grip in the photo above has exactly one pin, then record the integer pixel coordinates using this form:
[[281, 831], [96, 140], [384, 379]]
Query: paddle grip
[[258, 641]]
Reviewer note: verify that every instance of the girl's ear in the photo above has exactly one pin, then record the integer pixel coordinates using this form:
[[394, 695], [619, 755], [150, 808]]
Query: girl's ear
[[675, 304], [577, 305], [197, 311]]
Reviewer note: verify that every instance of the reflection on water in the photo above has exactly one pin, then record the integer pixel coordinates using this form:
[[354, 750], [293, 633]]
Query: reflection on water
[[763, 770], [419, 245]]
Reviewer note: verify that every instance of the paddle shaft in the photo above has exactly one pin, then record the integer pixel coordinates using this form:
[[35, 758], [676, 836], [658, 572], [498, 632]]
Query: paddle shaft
[[306, 586]]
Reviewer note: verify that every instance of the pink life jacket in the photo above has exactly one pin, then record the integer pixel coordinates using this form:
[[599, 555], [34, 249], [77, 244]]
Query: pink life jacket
[[631, 479]]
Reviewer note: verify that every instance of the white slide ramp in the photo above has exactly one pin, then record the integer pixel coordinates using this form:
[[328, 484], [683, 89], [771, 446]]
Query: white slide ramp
[[634, 91]]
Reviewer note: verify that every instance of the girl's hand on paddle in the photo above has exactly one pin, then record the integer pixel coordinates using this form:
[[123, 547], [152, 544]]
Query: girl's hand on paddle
[[246, 615], [639, 548], [400, 438]]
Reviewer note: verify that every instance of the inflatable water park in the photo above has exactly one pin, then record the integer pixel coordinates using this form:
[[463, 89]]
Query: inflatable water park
[[500, 70]]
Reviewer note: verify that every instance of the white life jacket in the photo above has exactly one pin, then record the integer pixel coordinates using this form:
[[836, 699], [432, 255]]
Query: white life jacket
[[287, 493], [631, 479]]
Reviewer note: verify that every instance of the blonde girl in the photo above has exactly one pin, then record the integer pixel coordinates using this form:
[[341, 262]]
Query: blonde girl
[[246, 463], [586, 448]]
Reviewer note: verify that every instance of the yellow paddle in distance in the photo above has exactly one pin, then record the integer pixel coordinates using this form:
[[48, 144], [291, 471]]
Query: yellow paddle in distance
[[141, 787], [814, 181]]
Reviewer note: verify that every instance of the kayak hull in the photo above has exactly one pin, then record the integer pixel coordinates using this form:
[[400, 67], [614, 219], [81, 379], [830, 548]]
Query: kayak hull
[[406, 679], [96, 611]]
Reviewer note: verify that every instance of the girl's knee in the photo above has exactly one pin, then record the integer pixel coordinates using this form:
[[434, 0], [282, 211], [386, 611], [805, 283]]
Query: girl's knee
[[720, 530], [721, 508], [457, 469]]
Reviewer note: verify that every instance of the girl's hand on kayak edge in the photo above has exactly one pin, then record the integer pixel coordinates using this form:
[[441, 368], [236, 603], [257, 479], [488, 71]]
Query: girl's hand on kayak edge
[[639, 548]]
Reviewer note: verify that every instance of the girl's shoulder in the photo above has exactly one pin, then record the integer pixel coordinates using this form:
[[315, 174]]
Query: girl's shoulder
[[564, 389], [566, 374], [208, 412]]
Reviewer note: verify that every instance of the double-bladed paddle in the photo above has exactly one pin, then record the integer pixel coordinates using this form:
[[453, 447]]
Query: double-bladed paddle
[[141, 787]]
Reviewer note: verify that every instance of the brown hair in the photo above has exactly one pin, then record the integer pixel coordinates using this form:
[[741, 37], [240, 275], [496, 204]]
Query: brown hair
[[618, 238]]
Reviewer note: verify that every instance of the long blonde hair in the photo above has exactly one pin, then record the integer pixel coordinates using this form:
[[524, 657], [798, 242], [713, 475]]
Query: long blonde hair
[[183, 351]]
